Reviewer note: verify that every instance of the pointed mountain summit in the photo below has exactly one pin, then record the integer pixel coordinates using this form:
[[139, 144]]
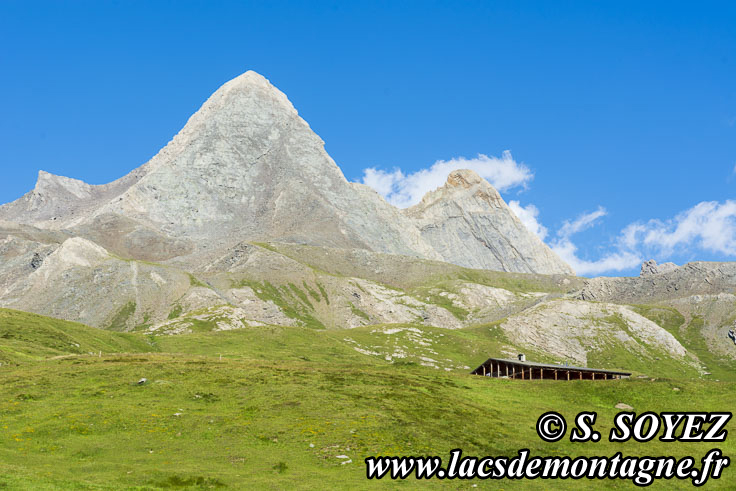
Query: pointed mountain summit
[[244, 167], [468, 218], [247, 167]]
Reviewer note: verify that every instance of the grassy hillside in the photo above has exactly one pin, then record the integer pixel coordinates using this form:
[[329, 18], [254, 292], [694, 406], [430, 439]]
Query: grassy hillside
[[399, 344], [82, 422], [25, 336], [273, 408], [690, 335]]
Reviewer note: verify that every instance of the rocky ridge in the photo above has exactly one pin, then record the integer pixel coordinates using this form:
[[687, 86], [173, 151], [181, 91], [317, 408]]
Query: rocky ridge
[[247, 167]]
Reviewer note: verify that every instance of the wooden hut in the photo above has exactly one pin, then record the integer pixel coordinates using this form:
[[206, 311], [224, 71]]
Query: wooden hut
[[521, 369]]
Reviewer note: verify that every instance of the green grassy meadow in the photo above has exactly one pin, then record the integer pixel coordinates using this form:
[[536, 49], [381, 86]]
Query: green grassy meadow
[[273, 408]]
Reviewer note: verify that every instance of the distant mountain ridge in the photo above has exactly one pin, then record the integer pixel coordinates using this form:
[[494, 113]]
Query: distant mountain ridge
[[246, 167]]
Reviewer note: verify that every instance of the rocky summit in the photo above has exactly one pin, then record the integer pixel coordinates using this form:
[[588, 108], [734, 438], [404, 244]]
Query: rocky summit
[[246, 167], [468, 218]]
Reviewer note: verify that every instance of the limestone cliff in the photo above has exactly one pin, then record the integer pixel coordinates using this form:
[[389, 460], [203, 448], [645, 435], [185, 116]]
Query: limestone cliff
[[468, 219]]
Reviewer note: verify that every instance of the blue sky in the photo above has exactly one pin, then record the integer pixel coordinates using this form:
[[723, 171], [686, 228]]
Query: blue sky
[[620, 117]]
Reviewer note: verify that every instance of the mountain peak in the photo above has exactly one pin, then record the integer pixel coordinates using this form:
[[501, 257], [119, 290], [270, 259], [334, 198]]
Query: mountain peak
[[51, 183], [246, 167], [250, 77], [464, 178], [247, 82], [467, 216], [250, 89], [462, 185]]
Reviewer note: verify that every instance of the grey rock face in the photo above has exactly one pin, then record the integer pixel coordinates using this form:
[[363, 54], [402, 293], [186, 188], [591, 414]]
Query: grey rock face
[[60, 202], [36, 261], [696, 278], [246, 167], [702, 292], [468, 219], [572, 329], [651, 267]]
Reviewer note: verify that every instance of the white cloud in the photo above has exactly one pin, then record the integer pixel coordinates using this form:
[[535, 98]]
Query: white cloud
[[583, 222], [613, 261], [403, 190], [708, 226], [630, 235], [383, 182], [529, 217], [617, 260]]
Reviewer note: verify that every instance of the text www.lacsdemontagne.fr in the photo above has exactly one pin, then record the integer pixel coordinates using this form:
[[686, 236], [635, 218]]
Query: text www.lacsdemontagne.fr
[[642, 471]]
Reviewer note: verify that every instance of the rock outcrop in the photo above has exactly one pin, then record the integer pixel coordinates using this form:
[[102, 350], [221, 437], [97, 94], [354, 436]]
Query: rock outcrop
[[696, 278], [467, 218], [699, 296], [651, 267], [573, 329]]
